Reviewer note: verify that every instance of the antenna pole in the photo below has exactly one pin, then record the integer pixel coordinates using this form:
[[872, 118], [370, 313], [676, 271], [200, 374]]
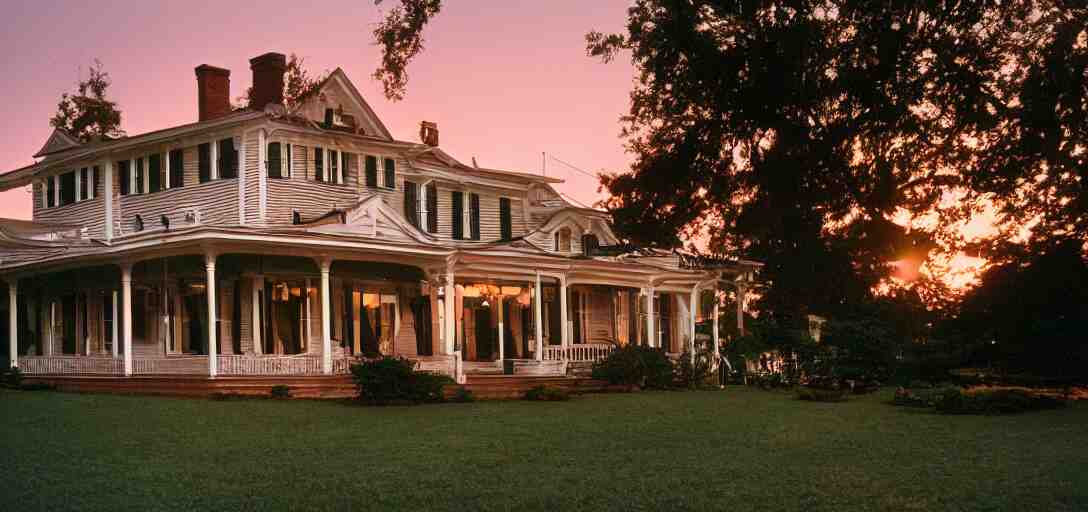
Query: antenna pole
[[543, 164]]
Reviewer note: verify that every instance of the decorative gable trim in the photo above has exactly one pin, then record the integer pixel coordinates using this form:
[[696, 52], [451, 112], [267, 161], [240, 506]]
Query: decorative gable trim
[[59, 140]]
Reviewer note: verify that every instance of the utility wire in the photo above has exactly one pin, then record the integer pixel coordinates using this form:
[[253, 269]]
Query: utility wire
[[591, 175]]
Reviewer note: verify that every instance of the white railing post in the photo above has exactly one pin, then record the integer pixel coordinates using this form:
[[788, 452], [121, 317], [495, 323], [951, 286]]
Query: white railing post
[[502, 335], [213, 348], [126, 320], [565, 334], [13, 322]]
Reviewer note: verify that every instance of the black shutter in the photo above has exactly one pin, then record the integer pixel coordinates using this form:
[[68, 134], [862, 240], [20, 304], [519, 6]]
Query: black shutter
[[50, 192], [154, 173], [334, 163], [432, 208], [177, 168], [139, 187], [328, 117], [458, 216], [474, 211], [67, 188], [410, 197], [274, 164], [122, 173], [95, 173], [319, 164], [288, 164], [506, 227], [84, 181], [204, 162], [371, 171], [228, 160], [390, 173]]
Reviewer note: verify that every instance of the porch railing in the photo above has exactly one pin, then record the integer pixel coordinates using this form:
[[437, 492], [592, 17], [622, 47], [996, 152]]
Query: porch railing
[[71, 365], [269, 365], [579, 352]]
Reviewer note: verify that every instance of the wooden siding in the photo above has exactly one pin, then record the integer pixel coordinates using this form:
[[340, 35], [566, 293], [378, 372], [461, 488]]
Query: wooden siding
[[217, 202]]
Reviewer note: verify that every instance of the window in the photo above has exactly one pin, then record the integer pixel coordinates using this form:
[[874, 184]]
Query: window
[[50, 191], [204, 162], [319, 163], [430, 208], [125, 178], [67, 188], [288, 162], [228, 159], [506, 227], [562, 240], [411, 202], [274, 160], [390, 173], [84, 180], [371, 171], [334, 167], [474, 214], [458, 214], [139, 181], [177, 168], [154, 173]]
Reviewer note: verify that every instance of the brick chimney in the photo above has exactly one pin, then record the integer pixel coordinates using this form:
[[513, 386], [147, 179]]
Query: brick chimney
[[212, 91], [428, 133], [268, 72]]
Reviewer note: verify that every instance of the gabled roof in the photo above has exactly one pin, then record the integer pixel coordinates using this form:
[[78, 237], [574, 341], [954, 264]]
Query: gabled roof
[[59, 140], [370, 118]]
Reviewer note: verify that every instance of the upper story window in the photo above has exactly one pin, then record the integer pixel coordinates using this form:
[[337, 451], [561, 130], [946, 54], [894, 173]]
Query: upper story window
[[154, 173], [421, 205], [562, 240], [381, 169], [335, 174], [88, 183], [506, 224], [465, 217], [319, 163], [175, 160], [138, 180], [69, 187], [274, 161], [389, 172], [227, 159], [204, 162]]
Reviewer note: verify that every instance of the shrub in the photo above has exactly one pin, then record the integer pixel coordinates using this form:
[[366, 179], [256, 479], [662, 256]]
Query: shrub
[[547, 394], [280, 391], [392, 380], [635, 365], [994, 401], [822, 395], [11, 377], [462, 396], [697, 374]]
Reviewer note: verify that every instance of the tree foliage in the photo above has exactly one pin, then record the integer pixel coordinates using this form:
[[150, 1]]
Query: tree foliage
[[400, 35], [298, 83], [87, 114]]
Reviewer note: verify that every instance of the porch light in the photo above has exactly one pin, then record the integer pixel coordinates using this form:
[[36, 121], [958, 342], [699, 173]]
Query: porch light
[[485, 304]]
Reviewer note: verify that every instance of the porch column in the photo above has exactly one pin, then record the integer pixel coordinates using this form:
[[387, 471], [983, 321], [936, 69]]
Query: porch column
[[326, 317], [741, 292], [651, 338], [692, 304], [209, 289], [565, 337], [502, 336], [126, 321], [255, 319], [539, 316], [114, 340], [714, 336], [449, 303], [13, 322]]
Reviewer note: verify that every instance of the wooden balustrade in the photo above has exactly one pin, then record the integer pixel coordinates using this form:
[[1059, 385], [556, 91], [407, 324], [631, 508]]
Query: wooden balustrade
[[181, 365], [71, 365], [579, 352]]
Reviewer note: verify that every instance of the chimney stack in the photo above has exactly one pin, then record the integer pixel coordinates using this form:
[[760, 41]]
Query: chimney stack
[[428, 133], [212, 91], [268, 72]]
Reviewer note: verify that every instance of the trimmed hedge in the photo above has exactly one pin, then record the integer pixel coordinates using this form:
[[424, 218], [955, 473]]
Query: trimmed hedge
[[635, 365]]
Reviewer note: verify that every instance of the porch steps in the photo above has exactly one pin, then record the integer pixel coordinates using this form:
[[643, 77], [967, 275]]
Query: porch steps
[[513, 387]]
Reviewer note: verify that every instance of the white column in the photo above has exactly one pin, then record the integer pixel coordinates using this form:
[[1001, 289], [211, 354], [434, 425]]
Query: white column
[[114, 340], [126, 322], [262, 174], [651, 336], [255, 311], [502, 335], [539, 316], [209, 289], [692, 304], [715, 334], [326, 317], [340, 166], [565, 335], [741, 292], [13, 322], [450, 303]]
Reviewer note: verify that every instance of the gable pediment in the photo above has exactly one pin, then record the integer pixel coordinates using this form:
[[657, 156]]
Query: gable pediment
[[374, 218], [59, 140], [351, 111]]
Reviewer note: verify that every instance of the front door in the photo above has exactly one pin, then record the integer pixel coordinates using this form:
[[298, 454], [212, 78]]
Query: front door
[[485, 343]]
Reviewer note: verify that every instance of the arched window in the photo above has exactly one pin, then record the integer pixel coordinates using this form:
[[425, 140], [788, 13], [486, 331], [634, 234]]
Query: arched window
[[562, 240]]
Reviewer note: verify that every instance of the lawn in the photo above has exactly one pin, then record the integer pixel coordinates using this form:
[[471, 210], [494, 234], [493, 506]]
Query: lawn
[[735, 450]]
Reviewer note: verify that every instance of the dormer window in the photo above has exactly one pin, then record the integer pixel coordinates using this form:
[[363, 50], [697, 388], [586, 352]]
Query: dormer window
[[562, 240]]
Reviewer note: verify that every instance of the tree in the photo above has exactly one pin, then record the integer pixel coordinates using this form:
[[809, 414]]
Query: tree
[[87, 114], [298, 83], [400, 35]]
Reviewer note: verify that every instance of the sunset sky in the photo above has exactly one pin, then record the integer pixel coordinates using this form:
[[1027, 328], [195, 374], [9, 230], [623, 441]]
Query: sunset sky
[[505, 81]]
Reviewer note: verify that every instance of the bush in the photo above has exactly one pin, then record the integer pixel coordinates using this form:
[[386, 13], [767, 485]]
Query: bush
[[393, 380], [822, 395], [462, 396], [695, 375], [994, 401], [11, 377], [280, 391], [635, 365], [547, 394]]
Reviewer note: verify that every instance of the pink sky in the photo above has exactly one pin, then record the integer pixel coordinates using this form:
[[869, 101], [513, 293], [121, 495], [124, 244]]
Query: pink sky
[[504, 80]]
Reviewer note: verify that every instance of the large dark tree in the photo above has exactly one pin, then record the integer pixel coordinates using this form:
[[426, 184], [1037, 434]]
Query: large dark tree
[[88, 114]]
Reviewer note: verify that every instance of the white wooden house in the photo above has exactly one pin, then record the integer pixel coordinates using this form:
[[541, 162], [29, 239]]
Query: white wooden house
[[263, 241]]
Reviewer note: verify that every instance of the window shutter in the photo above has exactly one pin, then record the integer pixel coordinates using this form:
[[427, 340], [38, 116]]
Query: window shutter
[[274, 164], [410, 197], [50, 192], [154, 173], [95, 173], [139, 187], [390, 173], [228, 159], [474, 206], [506, 228], [204, 161], [67, 188], [371, 171], [458, 219], [177, 168], [289, 164], [84, 182], [334, 163], [432, 208], [319, 164], [122, 173]]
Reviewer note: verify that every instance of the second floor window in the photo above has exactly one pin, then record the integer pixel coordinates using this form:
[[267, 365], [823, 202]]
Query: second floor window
[[319, 163], [275, 160], [371, 171], [227, 159], [562, 240], [390, 173], [204, 162], [124, 177], [506, 225], [67, 188], [154, 173], [138, 180], [177, 168]]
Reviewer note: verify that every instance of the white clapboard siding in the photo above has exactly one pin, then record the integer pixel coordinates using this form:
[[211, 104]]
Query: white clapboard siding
[[252, 169]]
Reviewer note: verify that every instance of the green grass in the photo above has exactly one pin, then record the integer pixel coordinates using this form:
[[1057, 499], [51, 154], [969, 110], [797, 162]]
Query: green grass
[[735, 450]]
